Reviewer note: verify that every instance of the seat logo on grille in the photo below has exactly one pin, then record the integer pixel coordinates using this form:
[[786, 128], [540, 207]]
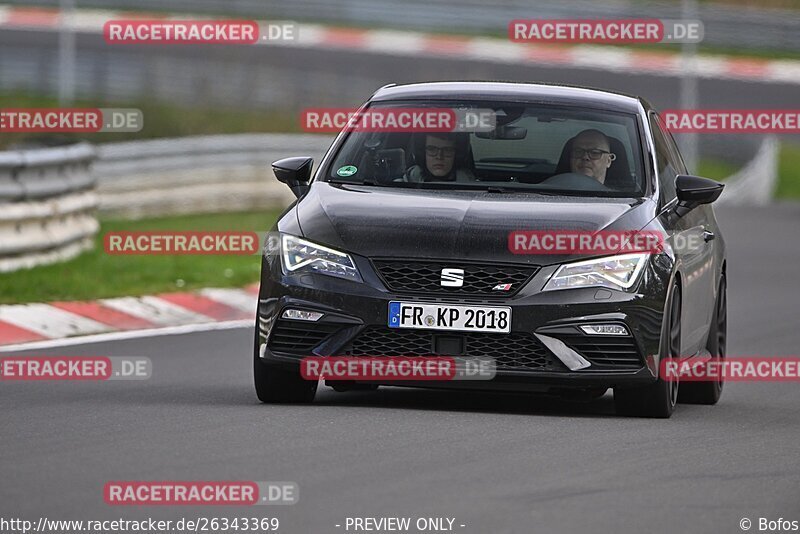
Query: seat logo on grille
[[452, 277]]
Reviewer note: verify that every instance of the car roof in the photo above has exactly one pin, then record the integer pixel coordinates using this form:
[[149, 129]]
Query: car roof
[[513, 92]]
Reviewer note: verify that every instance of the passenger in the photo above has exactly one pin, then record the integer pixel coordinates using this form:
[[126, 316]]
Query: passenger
[[591, 154], [443, 158]]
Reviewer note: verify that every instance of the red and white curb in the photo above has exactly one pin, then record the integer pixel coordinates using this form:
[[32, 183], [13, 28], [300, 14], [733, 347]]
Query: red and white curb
[[41, 325], [416, 44]]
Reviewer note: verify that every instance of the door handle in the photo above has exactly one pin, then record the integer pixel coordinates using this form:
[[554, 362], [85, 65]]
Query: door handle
[[708, 236]]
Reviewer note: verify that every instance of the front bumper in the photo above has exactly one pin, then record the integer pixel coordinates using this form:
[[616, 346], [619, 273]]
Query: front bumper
[[356, 315]]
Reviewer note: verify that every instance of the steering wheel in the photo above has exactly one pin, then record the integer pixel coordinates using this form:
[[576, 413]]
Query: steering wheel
[[579, 182]]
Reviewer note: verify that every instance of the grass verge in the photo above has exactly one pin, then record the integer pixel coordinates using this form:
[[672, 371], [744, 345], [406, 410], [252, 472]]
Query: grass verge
[[160, 120], [789, 171], [96, 274], [716, 169]]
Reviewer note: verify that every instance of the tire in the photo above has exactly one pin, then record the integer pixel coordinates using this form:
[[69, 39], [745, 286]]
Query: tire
[[276, 384], [657, 399], [709, 392]]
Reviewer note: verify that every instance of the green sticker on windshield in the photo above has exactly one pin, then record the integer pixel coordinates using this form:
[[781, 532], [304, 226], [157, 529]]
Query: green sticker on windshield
[[347, 170]]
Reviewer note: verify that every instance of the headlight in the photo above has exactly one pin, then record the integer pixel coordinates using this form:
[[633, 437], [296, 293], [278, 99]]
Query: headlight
[[613, 272], [299, 255]]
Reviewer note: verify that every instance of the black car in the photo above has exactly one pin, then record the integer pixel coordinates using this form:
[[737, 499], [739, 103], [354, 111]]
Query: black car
[[384, 225]]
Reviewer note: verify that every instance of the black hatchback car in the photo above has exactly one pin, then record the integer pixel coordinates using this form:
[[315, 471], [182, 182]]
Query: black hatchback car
[[398, 228]]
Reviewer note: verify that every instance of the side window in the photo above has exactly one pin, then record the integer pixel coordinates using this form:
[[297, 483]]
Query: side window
[[677, 159], [665, 160]]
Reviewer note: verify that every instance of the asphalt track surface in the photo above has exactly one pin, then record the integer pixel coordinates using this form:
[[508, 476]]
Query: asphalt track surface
[[495, 462]]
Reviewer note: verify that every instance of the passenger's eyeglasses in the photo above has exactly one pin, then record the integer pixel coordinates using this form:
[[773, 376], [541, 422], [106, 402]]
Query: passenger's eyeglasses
[[594, 153], [446, 151]]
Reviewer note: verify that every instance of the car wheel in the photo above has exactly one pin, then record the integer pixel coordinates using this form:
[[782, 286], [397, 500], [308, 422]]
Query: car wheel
[[276, 384], [709, 392], [657, 399]]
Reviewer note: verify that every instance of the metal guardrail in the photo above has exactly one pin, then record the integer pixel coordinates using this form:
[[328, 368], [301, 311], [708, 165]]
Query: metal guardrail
[[123, 159], [47, 205], [201, 174], [725, 26]]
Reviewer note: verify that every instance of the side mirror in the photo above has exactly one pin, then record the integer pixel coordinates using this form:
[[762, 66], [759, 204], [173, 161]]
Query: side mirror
[[294, 172], [694, 191]]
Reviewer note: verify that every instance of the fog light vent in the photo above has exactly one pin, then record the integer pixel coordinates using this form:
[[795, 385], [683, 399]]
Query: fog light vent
[[604, 330], [301, 315]]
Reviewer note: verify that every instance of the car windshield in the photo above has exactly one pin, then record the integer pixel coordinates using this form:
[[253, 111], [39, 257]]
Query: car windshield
[[523, 148]]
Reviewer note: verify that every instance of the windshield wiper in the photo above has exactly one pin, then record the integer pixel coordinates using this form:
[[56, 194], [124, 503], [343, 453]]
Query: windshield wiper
[[500, 189], [346, 182]]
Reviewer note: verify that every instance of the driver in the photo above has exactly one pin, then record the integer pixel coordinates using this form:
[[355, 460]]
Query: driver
[[443, 159], [591, 155]]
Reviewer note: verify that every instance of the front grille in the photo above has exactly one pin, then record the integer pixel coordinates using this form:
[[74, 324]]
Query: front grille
[[299, 337], [509, 351], [403, 276], [606, 352]]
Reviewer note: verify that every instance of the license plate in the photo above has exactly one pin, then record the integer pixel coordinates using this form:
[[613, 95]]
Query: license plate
[[450, 317]]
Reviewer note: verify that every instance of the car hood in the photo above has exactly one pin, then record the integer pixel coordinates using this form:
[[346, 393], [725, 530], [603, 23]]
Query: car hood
[[468, 225]]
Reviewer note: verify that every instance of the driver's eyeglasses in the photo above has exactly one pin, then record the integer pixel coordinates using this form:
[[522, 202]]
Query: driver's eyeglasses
[[446, 151], [594, 153]]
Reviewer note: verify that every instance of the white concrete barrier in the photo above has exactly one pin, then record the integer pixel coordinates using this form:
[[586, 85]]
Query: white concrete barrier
[[755, 183], [201, 174], [47, 205]]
